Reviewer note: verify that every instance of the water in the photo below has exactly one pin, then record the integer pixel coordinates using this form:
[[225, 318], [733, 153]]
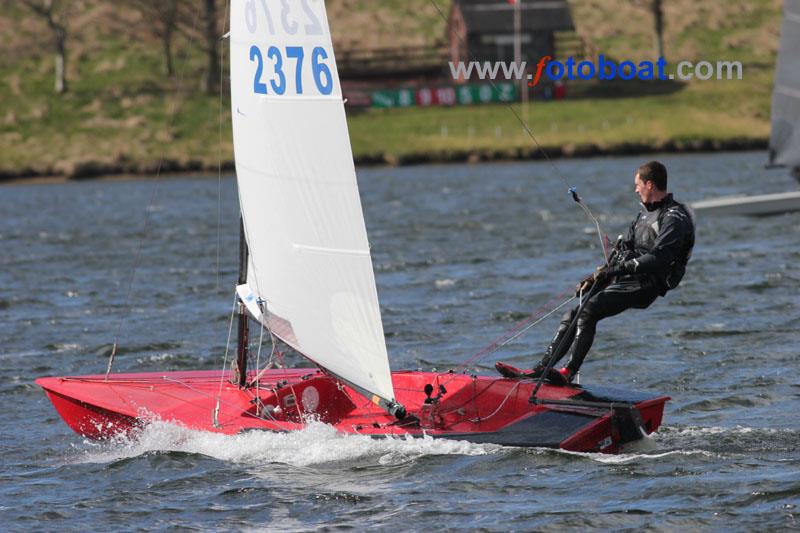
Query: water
[[461, 254]]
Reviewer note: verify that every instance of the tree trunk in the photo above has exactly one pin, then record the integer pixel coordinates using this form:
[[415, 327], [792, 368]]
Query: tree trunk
[[658, 18], [55, 16], [166, 42], [211, 82], [61, 61]]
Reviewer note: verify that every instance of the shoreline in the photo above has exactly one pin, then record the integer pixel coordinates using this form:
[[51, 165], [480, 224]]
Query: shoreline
[[89, 170]]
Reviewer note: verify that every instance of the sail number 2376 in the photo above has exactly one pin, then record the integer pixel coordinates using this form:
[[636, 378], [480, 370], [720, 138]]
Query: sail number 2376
[[278, 82]]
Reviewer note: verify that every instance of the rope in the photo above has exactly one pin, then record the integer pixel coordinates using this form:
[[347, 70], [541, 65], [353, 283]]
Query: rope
[[269, 364], [603, 241], [516, 331], [224, 360], [258, 352], [510, 391], [553, 360]]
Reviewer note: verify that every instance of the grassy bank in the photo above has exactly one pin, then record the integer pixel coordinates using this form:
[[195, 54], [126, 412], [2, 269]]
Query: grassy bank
[[122, 115], [139, 130], [698, 117], [133, 130]]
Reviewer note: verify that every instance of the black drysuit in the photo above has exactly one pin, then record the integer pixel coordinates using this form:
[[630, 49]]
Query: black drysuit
[[651, 260]]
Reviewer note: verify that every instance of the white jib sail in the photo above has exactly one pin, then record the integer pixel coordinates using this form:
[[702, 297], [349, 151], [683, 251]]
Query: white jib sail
[[309, 256]]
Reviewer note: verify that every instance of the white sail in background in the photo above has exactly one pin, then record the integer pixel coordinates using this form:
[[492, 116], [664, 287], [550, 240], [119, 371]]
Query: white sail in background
[[784, 142], [309, 256]]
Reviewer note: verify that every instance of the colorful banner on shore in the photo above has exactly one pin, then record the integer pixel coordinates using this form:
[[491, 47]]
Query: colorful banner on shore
[[445, 96]]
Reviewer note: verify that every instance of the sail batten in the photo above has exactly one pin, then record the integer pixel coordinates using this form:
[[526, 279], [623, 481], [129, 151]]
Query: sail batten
[[788, 91], [334, 251], [310, 265]]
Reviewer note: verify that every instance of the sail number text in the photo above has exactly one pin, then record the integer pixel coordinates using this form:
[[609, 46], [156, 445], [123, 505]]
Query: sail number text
[[289, 20], [323, 78]]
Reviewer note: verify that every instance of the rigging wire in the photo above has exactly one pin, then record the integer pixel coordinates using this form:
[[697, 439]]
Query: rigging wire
[[147, 213], [219, 216], [501, 341], [262, 325], [526, 127], [219, 142], [225, 361], [572, 190]]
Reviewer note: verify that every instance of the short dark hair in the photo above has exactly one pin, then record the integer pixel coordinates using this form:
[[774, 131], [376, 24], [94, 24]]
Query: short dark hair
[[655, 172]]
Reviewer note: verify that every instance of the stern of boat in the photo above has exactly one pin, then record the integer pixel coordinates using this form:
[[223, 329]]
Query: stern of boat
[[625, 417]]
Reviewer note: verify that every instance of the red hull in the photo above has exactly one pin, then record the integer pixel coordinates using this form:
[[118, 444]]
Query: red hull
[[478, 409]]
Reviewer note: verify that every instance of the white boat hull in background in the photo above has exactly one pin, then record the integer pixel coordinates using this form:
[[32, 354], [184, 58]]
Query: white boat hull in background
[[761, 205]]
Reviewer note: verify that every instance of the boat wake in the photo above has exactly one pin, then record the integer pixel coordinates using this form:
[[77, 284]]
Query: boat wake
[[699, 441], [316, 444], [629, 457]]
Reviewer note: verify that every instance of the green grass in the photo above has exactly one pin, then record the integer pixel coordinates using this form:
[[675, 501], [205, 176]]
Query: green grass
[[698, 112], [121, 113]]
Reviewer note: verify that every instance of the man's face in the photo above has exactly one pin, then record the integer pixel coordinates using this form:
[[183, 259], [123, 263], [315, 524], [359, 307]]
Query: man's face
[[643, 188]]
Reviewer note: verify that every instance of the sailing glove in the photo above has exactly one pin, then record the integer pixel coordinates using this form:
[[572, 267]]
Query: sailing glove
[[586, 283], [584, 286], [618, 269]]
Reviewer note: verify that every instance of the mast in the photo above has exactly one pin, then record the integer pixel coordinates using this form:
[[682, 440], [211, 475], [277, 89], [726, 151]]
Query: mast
[[240, 372]]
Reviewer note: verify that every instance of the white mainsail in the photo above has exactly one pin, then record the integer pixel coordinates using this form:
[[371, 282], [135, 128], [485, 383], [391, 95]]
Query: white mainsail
[[309, 256]]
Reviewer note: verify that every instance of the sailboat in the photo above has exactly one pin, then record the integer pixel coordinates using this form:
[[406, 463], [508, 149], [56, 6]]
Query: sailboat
[[306, 276], [784, 141]]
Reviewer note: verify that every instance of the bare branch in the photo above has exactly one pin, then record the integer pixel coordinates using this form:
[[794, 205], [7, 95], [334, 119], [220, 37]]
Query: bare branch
[[161, 18]]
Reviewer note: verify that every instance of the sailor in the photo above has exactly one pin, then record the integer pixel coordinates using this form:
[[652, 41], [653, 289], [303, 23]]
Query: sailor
[[649, 261]]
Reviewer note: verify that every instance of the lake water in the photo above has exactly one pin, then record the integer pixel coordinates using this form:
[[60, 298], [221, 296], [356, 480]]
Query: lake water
[[461, 254]]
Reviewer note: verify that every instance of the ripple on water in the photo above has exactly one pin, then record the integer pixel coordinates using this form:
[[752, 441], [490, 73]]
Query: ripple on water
[[733, 321], [731, 440]]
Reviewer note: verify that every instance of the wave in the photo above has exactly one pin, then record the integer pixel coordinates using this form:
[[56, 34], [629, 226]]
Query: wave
[[730, 440], [316, 444], [59, 347], [700, 431]]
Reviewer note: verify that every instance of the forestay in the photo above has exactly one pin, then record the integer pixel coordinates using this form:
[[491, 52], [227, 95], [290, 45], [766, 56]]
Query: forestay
[[784, 141], [309, 256]]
